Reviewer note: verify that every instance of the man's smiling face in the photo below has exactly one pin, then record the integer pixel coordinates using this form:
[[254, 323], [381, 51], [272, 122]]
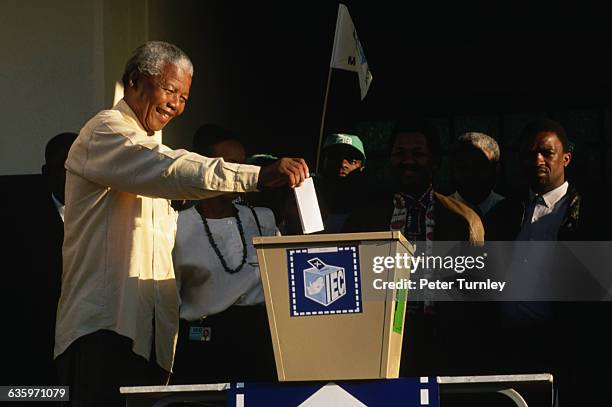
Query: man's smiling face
[[158, 99]]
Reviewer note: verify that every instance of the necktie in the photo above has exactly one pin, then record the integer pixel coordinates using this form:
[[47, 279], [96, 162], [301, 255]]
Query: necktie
[[539, 200]]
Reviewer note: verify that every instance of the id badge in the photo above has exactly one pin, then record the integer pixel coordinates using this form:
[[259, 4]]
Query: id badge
[[200, 333]]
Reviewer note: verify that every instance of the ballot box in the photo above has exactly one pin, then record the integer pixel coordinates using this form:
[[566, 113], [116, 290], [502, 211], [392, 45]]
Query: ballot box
[[332, 311]]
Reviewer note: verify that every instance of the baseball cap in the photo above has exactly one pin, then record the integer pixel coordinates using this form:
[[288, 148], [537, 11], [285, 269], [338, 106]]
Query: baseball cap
[[345, 139]]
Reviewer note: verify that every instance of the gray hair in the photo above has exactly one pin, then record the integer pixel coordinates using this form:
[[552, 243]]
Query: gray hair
[[480, 141], [151, 57]]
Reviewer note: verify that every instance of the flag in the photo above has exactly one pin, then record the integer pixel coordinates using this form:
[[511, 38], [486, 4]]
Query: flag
[[347, 53]]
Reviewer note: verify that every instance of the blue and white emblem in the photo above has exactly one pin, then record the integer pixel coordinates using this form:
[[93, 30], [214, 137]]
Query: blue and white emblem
[[324, 281]]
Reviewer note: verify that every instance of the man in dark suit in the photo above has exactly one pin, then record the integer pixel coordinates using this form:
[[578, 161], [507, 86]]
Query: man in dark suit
[[34, 255], [560, 336]]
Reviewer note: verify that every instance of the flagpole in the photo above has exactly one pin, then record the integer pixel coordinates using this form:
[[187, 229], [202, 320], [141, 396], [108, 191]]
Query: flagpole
[[323, 119]]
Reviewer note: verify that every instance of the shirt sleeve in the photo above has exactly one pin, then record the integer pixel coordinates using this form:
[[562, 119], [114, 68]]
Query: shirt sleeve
[[115, 155]]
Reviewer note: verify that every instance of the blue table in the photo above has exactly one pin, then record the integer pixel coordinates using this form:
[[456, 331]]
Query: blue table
[[408, 392]]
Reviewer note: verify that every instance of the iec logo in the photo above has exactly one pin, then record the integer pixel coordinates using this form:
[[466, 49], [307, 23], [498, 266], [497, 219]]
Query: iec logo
[[324, 281]]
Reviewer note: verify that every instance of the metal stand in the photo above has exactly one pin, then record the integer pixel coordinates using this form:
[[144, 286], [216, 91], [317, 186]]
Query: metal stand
[[508, 385]]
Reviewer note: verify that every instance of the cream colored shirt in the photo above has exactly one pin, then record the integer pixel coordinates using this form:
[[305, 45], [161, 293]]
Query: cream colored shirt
[[119, 230]]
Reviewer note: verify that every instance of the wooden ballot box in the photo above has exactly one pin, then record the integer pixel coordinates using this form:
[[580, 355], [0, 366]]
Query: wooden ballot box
[[332, 313]]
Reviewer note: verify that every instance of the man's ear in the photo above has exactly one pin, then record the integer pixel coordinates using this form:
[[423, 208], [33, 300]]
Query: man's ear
[[567, 157], [133, 80]]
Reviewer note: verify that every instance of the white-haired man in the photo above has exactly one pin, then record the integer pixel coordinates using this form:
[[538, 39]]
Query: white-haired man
[[475, 165], [117, 318]]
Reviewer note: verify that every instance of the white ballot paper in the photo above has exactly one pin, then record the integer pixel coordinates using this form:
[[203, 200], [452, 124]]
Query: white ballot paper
[[308, 207]]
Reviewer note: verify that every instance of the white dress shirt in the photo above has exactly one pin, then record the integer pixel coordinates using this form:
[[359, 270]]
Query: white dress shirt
[[205, 287], [119, 230], [542, 221]]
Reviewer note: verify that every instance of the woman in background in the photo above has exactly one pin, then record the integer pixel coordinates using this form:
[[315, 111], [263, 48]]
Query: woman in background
[[224, 334]]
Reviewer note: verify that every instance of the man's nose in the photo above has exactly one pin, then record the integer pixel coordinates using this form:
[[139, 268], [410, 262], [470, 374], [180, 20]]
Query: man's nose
[[173, 101], [408, 159], [539, 159]]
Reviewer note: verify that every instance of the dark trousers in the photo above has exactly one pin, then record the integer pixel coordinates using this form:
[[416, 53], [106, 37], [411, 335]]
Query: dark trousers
[[420, 347], [96, 365], [236, 347]]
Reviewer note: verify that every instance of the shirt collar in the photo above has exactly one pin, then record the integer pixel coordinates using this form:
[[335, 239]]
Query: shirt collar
[[552, 197]]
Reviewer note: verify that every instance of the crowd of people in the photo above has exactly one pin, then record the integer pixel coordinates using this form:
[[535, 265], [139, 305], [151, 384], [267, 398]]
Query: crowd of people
[[160, 274]]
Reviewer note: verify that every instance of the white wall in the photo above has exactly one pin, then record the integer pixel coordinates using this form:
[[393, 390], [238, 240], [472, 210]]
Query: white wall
[[50, 76], [58, 67]]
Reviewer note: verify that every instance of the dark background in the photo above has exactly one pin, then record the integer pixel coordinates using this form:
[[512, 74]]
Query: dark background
[[467, 68], [489, 70]]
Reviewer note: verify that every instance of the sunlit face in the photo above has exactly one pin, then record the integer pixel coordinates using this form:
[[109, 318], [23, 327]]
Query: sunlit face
[[412, 161], [160, 98], [544, 162]]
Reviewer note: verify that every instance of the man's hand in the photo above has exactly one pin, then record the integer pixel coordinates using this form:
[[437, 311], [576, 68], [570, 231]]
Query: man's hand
[[285, 171]]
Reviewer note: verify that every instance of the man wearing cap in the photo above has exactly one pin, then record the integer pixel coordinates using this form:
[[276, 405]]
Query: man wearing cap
[[343, 179]]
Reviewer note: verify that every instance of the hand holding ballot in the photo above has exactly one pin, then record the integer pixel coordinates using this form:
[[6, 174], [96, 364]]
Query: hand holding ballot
[[308, 207], [292, 171]]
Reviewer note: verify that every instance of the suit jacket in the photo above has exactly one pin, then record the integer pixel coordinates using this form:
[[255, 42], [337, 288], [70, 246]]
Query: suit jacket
[[583, 220], [572, 336]]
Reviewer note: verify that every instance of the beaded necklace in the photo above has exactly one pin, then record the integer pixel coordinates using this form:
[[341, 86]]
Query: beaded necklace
[[212, 242]]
